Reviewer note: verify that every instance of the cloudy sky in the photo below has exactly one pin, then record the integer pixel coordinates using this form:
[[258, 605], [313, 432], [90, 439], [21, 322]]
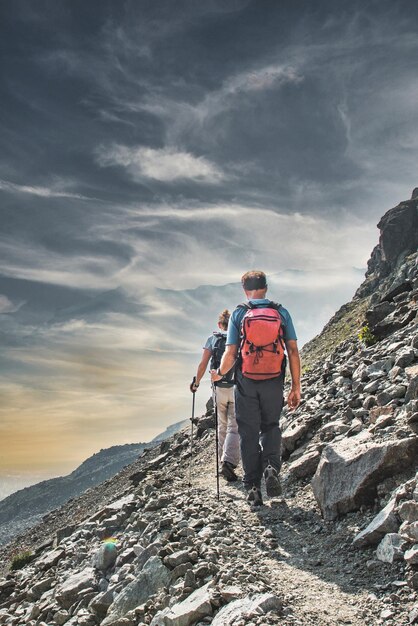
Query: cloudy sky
[[152, 152]]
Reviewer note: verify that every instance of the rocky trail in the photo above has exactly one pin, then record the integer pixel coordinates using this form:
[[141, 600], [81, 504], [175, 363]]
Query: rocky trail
[[310, 564], [305, 569]]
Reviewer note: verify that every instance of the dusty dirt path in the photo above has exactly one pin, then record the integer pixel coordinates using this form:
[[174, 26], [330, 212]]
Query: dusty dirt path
[[322, 581]]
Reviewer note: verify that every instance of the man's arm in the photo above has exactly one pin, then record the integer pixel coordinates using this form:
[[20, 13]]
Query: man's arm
[[227, 362], [293, 399]]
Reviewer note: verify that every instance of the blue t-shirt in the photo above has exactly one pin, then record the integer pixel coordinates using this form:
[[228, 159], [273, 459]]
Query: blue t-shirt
[[210, 342], [234, 326]]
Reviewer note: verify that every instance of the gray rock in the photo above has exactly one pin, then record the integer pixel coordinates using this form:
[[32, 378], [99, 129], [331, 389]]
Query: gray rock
[[411, 555], [245, 608], [178, 558], [40, 587], [379, 312], [413, 419], [151, 550], [330, 430], [409, 531], [360, 374], [230, 592], [152, 578], [100, 604], [294, 433], [383, 398], [63, 533], [372, 387], [413, 615], [105, 556], [379, 369], [412, 391], [395, 372], [155, 504], [391, 548], [408, 511], [405, 357], [384, 522], [306, 465], [50, 558], [61, 617], [349, 471], [192, 609], [393, 322], [67, 593], [369, 402], [397, 391]]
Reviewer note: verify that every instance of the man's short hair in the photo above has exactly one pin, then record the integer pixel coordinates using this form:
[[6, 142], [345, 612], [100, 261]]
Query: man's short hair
[[254, 280]]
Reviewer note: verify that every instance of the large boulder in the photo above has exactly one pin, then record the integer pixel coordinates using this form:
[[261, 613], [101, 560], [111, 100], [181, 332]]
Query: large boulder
[[153, 577], [192, 609], [67, 593], [350, 470], [244, 609]]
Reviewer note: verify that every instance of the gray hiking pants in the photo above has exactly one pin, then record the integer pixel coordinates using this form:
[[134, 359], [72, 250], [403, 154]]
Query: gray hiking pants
[[258, 404], [227, 426]]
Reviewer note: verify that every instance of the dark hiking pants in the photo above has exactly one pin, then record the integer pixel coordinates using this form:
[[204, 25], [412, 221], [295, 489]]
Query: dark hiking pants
[[258, 404]]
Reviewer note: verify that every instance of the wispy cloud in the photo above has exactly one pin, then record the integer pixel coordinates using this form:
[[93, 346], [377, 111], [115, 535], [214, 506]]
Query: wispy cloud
[[7, 306], [43, 192], [165, 164], [238, 236]]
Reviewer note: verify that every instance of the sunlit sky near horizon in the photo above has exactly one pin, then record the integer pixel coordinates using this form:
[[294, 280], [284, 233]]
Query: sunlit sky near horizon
[[152, 152]]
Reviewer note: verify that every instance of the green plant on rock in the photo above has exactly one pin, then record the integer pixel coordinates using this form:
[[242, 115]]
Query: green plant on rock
[[21, 559], [366, 336]]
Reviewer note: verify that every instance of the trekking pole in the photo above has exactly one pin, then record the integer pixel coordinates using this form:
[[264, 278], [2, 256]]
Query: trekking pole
[[215, 404], [191, 437]]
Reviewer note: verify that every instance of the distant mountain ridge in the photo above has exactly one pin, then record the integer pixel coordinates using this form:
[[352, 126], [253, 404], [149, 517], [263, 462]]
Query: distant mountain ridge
[[25, 507]]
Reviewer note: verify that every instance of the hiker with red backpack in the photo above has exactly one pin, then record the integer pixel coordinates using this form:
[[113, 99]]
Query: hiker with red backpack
[[224, 400], [259, 333]]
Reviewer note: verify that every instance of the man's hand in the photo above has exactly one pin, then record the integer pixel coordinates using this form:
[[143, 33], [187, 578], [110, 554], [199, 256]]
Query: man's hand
[[293, 399], [194, 386], [215, 376]]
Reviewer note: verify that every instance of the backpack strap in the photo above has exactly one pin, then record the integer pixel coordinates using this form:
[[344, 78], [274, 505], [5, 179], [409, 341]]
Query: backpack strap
[[250, 305], [273, 305]]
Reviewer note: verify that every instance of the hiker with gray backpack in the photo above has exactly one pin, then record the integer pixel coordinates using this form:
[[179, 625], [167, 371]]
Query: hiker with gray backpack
[[260, 333], [223, 398]]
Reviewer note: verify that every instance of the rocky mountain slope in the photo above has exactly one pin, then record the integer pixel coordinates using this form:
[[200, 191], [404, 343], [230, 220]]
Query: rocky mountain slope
[[154, 545], [25, 507], [386, 272]]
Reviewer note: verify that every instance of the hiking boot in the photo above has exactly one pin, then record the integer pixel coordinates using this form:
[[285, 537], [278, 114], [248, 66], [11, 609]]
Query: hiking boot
[[273, 486], [228, 472], [254, 496]]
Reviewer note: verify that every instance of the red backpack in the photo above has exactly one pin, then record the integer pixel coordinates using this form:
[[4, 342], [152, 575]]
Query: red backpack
[[262, 346]]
